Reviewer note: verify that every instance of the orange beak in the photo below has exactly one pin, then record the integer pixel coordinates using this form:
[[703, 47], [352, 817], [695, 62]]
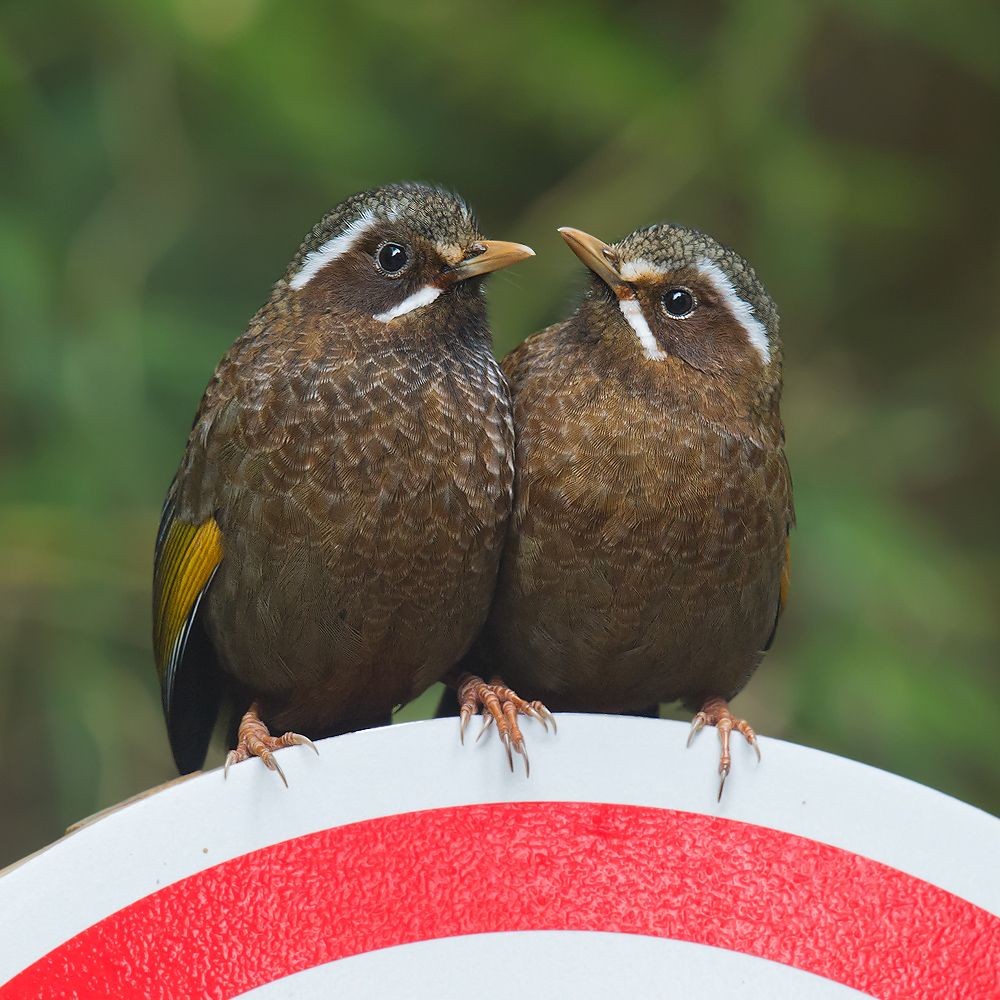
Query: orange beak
[[490, 255], [597, 255]]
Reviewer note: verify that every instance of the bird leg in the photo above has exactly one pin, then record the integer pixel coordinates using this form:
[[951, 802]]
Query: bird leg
[[715, 712], [254, 740], [502, 706]]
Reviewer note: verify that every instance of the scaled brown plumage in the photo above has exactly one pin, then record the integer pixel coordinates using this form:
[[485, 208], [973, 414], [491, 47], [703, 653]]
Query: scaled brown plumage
[[330, 543], [647, 554]]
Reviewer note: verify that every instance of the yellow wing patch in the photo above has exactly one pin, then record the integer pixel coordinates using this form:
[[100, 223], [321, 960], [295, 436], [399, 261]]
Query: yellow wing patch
[[186, 562], [786, 573]]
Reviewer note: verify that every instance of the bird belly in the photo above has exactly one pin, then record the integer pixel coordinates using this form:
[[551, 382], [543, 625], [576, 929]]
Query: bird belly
[[360, 560], [348, 630], [660, 648], [643, 586]]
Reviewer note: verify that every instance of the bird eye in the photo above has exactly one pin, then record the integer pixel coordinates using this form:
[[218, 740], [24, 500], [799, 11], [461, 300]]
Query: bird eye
[[679, 302], [391, 259]]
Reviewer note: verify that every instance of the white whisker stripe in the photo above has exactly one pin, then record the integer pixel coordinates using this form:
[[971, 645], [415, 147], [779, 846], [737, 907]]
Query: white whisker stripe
[[421, 297], [632, 312], [743, 312], [316, 260]]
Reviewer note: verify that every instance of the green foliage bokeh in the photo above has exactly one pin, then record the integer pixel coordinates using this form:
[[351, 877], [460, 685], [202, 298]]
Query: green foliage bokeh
[[160, 161]]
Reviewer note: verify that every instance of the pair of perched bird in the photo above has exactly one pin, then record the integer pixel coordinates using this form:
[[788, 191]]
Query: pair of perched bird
[[369, 503]]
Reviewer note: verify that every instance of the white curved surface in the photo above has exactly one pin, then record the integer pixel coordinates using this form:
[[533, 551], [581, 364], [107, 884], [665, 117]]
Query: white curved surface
[[198, 823], [583, 965]]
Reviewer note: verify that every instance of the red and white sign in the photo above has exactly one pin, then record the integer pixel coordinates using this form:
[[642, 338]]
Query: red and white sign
[[399, 862]]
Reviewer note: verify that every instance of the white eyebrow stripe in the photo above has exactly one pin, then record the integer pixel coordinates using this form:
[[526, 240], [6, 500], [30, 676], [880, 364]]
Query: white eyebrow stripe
[[634, 270], [742, 310], [632, 312], [421, 297], [317, 259]]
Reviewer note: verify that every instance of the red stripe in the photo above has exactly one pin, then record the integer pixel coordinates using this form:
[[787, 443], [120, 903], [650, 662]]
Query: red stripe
[[531, 866]]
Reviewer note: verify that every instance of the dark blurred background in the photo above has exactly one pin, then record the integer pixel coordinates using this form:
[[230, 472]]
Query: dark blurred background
[[160, 162]]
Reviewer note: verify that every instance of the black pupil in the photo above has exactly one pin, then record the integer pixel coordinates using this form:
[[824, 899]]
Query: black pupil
[[678, 302], [392, 258]]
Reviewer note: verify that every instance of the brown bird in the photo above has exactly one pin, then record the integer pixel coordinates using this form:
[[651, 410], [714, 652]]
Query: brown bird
[[329, 546], [647, 559]]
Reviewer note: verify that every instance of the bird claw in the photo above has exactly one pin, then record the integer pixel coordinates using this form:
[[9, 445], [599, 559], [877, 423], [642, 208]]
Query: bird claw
[[487, 722], [520, 748], [715, 712], [538, 711], [697, 724], [500, 706], [242, 753], [507, 746], [254, 740]]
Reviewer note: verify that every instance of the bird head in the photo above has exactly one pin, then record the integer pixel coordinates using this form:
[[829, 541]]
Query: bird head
[[668, 295], [397, 255]]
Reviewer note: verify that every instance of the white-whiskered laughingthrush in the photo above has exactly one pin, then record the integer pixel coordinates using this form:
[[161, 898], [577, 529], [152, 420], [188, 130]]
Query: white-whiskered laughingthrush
[[330, 543], [647, 557]]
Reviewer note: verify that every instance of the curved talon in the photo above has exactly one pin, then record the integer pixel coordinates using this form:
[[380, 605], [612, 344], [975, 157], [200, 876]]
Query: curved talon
[[530, 711], [697, 724], [272, 764], [510, 756], [538, 711], [487, 722], [303, 741], [520, 748]]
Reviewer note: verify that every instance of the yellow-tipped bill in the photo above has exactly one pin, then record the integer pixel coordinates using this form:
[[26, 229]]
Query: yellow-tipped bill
[[597, 255], [491, 255]]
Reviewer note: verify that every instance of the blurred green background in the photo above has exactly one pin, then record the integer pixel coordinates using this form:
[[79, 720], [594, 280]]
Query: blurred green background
[[160, 161]]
